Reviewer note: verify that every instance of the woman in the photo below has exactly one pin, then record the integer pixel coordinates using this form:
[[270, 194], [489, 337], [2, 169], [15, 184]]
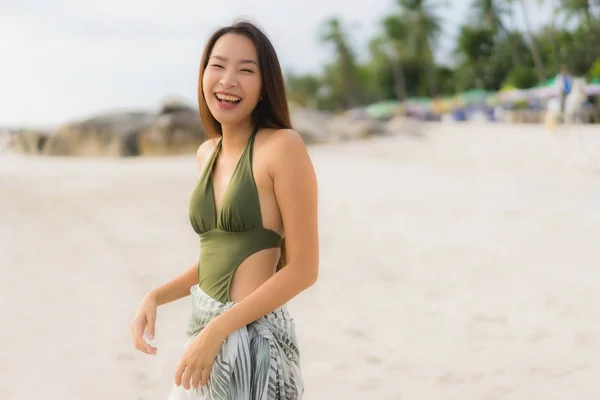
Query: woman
[[257, 185]]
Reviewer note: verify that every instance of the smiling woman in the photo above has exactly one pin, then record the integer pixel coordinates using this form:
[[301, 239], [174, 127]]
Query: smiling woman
[[254, 209], [225, 78]]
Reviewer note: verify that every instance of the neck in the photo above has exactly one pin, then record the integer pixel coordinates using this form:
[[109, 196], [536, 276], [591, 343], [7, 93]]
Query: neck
[[235, 136]]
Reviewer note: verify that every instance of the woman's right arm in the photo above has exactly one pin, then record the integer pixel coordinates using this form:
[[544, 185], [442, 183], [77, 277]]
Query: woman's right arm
[[180, 286], [145, 318], [176, 288]]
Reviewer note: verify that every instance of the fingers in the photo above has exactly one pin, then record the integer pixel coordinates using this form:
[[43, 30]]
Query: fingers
[[191, 376], [151, 325], [150, 350], [205, 375], [187, 377], [179, 373], [140, 344], [198, 373], [144, 347]]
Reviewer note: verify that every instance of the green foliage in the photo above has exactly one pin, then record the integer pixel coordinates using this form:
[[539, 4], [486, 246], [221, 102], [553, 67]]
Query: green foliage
[[475, 44], [487, 54], [522, 78], [594, 72], [303, 89], [447, 84]]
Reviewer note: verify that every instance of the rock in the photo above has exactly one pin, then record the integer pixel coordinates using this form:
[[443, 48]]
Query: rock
[[310, 124], [103, 135], [345, 127], [321, 127], [29, 141], [175, 129]]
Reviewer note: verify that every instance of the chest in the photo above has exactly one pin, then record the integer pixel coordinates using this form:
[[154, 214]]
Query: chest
[[231, 179], [233, 196]]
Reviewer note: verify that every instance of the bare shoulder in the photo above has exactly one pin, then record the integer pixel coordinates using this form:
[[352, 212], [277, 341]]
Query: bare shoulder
[[285, 148], [285, 139], [204, 152]]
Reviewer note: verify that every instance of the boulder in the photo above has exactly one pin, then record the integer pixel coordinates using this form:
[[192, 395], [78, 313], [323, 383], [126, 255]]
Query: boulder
[[29, 141], [111, 134], [354, 126], [175, 129], [310, 124], [322, 127]]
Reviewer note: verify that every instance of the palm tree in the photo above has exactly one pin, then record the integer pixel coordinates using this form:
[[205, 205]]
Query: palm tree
[[333, 32], [491, 13], [577, 8], [552, 31], [425, 27], [396, 32], [475, 46], [581, 10], [534, 48]]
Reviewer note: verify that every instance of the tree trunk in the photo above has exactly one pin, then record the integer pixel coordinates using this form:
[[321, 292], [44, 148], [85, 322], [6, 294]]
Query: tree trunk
[[431, 72], [517, 62], [553, 40], [588, 12], [516, 58], [554, 43], [534, 49], [348, 74], [399, 82]]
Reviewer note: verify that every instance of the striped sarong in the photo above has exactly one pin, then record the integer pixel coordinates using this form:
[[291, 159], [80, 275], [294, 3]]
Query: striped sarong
[[260, 361]]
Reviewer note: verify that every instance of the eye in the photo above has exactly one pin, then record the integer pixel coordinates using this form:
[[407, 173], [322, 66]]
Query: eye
[[217, 66], [247, 70]]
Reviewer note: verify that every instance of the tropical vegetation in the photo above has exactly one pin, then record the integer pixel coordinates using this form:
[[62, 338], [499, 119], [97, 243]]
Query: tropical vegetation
[[487, 54]]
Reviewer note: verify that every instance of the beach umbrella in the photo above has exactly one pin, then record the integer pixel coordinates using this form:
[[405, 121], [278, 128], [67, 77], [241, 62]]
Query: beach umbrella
[[593, 89], [384, 109]]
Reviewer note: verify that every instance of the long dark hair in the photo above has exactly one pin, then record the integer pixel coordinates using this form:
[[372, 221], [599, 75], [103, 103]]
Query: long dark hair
[[272, 110]]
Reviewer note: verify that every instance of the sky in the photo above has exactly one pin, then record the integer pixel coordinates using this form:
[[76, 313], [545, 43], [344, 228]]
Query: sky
[[67, 59]]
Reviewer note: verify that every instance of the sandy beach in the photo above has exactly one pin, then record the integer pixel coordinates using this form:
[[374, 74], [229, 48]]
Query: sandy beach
[[460, 264]]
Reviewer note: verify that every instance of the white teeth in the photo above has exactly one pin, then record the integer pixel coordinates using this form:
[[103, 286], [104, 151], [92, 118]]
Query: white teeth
[[228, 98]]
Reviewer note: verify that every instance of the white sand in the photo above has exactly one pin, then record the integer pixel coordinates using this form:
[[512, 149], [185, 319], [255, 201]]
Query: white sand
[[464, 265]]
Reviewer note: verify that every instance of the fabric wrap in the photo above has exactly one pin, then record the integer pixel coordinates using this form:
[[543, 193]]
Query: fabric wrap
[[260, 361]]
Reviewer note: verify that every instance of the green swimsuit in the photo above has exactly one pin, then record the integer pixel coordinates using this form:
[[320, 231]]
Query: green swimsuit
[[227, 239]]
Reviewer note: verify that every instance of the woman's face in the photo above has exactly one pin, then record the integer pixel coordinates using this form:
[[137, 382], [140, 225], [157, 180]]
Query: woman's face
[[232, 80]]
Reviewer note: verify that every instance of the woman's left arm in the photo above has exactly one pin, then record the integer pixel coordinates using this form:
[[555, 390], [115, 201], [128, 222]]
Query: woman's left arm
[[295, 187]]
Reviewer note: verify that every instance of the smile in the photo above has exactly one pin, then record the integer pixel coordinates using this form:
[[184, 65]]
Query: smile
[[228, 98]]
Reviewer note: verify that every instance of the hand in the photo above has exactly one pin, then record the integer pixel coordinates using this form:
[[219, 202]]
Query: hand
[[197, 361], [144, 321]]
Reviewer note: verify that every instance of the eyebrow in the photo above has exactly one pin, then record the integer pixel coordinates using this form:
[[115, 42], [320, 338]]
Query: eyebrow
[[244, 61]]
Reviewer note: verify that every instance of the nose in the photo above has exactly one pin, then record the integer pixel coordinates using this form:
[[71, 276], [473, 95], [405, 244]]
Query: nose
[[228, 80]]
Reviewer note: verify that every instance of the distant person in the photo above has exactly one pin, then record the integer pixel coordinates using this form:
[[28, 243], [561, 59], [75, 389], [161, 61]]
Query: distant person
[[564, 84], [257, 186]]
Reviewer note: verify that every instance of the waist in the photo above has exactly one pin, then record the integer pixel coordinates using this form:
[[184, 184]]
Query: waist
[[222, 252], [259, 238], [205, 308]]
